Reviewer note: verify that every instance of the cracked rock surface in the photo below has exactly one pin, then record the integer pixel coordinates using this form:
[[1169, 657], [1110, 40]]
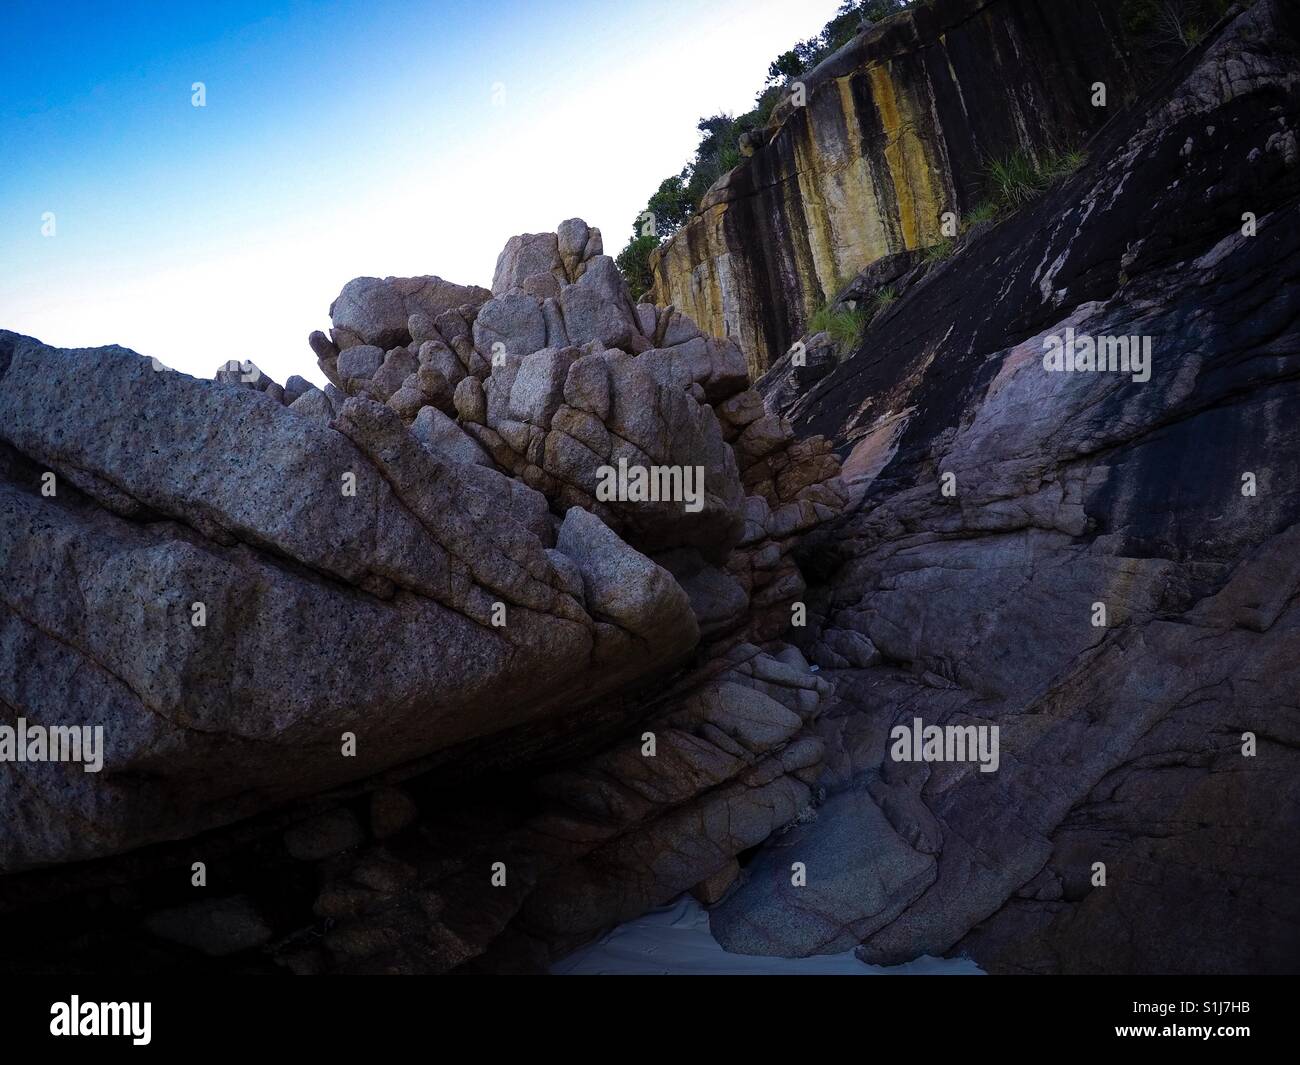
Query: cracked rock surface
[[275, 598]]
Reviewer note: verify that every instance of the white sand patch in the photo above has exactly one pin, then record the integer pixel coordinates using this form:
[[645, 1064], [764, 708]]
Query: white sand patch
[[675, 941]]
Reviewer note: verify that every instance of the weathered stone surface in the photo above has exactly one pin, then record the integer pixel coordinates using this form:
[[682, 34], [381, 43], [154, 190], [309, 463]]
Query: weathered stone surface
[[295, 388], [313, 404], [654, 827], [371, 310], [597, 307], [386, 533], [510, 324], [470, 402], [712, 890], [527, 257], [234, 483], [622, 585], [360, 362], [441, 435], [860, 876], [541, 264], [455, 591]]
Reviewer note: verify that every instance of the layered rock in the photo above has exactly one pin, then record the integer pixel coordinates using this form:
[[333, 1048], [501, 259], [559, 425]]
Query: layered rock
[[210, 523], [892, 131], [1098, 563]]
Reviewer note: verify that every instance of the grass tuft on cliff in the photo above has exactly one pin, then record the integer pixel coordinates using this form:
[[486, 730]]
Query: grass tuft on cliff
[[842, 326], [937, 253], [845, 327], [984, 211], [1020, 178], [1172, 26], [881, 299]]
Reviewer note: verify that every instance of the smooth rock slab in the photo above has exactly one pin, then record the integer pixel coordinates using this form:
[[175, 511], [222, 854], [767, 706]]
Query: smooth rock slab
[[860, 876]]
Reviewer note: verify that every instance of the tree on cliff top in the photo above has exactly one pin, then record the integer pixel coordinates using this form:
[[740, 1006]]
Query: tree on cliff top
[[679, 196]]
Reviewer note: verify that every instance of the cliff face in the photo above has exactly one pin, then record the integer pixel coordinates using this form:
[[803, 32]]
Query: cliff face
[[1101, 564], [897, 128]]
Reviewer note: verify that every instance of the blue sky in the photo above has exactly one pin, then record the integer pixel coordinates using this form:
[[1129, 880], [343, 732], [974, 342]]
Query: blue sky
[[338, 139]]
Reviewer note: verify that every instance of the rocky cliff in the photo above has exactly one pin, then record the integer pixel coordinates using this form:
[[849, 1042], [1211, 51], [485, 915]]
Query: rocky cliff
[[1101, 562], [414, 674], [889, 133]]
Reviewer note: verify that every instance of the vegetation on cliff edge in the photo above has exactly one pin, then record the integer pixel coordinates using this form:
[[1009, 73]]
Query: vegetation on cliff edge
[[1166, 27], [679, 195]]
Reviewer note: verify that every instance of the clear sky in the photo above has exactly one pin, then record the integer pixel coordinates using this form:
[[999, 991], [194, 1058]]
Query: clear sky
[[338, 140]]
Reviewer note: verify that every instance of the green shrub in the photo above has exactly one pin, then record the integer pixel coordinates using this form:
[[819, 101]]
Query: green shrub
[[1172, 26], [845, 326], [719, 148], [728, 159], [1059, 165], [1015, 180], [634, 263], [671, 206]]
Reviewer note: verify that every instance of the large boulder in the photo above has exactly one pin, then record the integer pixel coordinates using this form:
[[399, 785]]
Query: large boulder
[[170, 633], [372, 310]]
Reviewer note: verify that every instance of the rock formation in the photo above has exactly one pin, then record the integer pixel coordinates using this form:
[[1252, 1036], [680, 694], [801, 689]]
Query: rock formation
[[391, 680], [266, 593], [1169, 503]]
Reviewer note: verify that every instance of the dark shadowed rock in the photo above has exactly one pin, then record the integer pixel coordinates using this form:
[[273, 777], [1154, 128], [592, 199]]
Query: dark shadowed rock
[[323, 836], [216, 928], [1121, 740]]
